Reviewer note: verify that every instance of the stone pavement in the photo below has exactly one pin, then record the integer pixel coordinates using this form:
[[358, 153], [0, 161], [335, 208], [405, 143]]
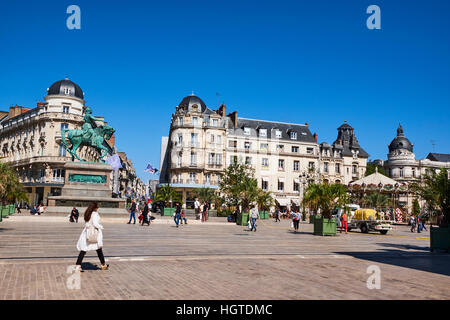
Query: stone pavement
[[216, 260]]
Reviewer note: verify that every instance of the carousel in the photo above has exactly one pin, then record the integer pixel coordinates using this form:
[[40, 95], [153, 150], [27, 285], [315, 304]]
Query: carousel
[[379, 183]]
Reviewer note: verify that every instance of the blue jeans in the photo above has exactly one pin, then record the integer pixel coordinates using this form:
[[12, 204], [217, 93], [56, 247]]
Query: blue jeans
[[253, 224], [177, 219], [132, 216]]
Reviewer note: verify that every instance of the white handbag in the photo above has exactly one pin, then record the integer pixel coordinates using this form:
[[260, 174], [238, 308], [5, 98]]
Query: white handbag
[[92, 234]]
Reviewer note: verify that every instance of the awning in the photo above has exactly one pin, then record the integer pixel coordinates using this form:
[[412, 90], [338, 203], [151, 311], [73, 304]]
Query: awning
[[265, 179], [283, 201], [296, 201]]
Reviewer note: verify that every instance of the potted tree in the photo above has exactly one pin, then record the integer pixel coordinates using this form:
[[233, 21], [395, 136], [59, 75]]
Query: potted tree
[[435, 190], [265, 201], [169, 196], [11, 190], [326, 197]]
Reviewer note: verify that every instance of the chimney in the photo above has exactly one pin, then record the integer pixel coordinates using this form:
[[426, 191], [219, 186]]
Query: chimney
[[222, 110], [40, 104], [306, 124], [234, 118], [315, 136]]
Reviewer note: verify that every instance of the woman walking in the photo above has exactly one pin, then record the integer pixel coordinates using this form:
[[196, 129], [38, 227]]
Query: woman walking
[[92, 237], [145, 217]]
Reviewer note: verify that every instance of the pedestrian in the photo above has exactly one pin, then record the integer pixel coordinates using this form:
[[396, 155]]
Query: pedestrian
[[197, 209], [145, 215], [296, 220], [18, 208], [254, 215], [423, 224], [177, 213], [419, 224], [132, 211], [205, 211], [183, 217], [343, 222], [74, 214], [277, 215], [92, 237], [413, 224]]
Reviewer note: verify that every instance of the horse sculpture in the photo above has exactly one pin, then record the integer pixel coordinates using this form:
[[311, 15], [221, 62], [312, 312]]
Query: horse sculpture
[[94, 138]]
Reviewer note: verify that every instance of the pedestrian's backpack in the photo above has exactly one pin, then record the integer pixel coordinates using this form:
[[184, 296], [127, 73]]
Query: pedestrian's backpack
[[92, 234]]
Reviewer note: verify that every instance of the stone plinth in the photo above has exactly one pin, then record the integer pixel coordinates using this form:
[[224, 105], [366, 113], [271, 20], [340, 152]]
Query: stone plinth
[[86, 183]]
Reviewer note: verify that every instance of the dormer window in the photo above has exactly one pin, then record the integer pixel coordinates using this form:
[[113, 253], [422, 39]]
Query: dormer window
[[278, 134], [247, 131], [180, 121], [263, 132], [194, 121], [67, 91], [66, 109], [293, 135]]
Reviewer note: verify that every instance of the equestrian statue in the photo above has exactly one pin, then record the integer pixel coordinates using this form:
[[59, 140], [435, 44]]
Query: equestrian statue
[[90, 135]]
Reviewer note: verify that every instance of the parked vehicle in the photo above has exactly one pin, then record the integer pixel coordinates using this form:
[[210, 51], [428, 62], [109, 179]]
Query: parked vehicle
[[369, 220]]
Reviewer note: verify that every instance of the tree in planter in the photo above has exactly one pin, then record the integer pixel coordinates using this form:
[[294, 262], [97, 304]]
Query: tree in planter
[[167, 194], [435, 190], [326, 197], [264, 200], [238, 186], [11, 190]]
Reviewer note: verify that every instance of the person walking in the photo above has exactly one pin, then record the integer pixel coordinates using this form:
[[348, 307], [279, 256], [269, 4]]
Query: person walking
[[145, 215], [177, 214], [423, 224], [205, 211], [296, 220], [132, 212], [413, 224], [91, 237], [343, 222], [197, 209], [254, 215], [277, 215]]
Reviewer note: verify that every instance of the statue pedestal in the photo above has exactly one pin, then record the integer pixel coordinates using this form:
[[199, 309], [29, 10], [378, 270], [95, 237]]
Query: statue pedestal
[[86, 183]]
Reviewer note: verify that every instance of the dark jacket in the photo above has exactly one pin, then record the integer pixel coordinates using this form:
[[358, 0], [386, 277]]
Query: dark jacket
[[133, 206]]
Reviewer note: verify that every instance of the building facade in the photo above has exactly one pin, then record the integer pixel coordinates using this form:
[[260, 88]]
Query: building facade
[[129, 183], [403, 167], [30, 140], [285, 156]]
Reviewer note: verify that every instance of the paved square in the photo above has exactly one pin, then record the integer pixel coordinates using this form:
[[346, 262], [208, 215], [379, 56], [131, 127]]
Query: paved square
[[216, 260]]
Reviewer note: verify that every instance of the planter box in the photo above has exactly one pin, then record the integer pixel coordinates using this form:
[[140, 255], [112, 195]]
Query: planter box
[[264, 215], [12, 208], [5, 211], [439, 239], [324, 226], [168, 212], [242, 219], [311, 218]]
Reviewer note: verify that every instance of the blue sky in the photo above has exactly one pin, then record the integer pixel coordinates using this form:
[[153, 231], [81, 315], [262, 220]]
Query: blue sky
[[291, 61]]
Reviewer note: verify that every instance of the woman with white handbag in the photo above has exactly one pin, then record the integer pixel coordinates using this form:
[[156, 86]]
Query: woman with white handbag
[[92, 237]]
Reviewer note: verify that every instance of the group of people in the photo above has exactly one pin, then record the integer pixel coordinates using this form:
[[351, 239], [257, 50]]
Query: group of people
[[179, 215], [145, 216], [37, 210], [417, 223], [201, 210]]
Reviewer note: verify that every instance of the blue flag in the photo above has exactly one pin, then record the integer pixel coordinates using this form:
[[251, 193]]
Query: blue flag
[[151, 169]]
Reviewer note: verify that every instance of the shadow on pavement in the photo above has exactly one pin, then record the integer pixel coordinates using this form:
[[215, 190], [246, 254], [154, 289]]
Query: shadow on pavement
[[412, 260], [89, 266], [404, 246]]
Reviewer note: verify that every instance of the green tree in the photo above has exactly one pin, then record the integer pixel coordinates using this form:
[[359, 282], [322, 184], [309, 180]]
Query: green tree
[[376, 200], [264, 200], [11, 190], [238, 186], [370, 169], [167, 194], [435, 190], [205, 194], [416, 208], [326, 197]]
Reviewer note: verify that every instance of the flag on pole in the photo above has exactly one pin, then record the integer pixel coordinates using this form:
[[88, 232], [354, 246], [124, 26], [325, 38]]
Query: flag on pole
[[151, 169], [114, 161]]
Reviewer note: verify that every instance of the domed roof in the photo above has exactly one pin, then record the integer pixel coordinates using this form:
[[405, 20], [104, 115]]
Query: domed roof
[[192, 103], [65, 88], [400, 141]]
